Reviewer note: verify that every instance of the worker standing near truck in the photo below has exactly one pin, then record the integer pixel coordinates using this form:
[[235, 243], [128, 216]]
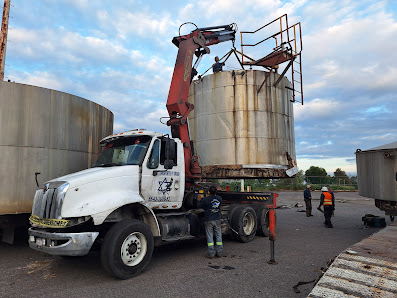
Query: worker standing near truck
[[212, 216], [307, 195], [328, 201]]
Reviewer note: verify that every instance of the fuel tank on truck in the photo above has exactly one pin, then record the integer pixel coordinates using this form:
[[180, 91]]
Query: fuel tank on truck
[[45, 131], [239, 132]]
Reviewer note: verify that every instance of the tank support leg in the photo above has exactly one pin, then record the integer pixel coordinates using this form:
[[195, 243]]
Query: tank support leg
[[272, 231]]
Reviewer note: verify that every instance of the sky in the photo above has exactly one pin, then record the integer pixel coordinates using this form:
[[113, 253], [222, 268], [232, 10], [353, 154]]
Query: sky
[[119, 54]]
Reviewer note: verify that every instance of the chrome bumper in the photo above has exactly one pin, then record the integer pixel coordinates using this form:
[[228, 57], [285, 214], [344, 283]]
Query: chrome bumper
[[62, 244]]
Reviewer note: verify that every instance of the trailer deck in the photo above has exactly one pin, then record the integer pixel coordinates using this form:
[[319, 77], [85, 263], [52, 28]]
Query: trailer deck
[[366, 269]]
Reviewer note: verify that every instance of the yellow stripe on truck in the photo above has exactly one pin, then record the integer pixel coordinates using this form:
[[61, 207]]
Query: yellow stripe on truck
[[48, 222], [257, 198]]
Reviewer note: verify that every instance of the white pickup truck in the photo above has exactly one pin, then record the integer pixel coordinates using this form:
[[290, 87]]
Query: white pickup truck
[[132, 199]]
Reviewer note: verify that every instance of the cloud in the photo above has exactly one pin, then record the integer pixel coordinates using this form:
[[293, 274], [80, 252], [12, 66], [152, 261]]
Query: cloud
[[317, 110], [121, 56], [329, 163], [353, 50]]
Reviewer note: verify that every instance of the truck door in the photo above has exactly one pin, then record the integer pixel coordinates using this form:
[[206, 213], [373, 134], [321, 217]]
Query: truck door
[[161, 188]]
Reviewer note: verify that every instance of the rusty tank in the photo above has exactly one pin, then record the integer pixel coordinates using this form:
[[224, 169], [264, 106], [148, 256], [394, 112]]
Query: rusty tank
[[46, 131], [239, 132]]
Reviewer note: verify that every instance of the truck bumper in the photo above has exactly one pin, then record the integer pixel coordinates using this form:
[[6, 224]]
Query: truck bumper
[[62, 244]]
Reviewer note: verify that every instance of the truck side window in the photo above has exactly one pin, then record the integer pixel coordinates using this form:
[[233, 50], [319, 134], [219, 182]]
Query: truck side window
[[153, 161], [162, 153]]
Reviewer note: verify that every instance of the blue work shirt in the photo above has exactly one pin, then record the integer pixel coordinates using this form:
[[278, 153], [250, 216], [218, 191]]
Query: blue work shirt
[[307, 194], [212, 207]]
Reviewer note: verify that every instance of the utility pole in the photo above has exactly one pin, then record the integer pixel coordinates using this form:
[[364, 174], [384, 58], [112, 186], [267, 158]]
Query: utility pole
[[3, 39]]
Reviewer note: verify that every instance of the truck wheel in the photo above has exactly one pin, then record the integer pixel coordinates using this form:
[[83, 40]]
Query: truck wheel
[[127, 248], [262, 215], [244, 221]]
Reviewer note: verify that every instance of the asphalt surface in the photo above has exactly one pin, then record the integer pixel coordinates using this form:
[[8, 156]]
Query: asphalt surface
[[303, 246]]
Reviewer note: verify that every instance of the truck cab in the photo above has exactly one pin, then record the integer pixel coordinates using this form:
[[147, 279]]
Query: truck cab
[[137, 174]]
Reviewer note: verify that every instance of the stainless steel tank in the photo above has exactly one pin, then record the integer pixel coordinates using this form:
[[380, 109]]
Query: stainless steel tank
[[377, 176], [46, 131], [240, 132]]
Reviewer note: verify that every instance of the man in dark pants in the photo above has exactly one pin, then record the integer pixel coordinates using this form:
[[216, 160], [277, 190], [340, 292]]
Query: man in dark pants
[[328, 201], [212, 216], [307, 195]]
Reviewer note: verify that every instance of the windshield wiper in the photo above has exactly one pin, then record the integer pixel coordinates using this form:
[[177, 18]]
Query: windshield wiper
[[109, 165]]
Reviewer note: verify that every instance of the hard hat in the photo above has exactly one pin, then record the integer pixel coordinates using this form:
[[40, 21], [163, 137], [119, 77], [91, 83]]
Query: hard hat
[[324, 188], [308, 186]]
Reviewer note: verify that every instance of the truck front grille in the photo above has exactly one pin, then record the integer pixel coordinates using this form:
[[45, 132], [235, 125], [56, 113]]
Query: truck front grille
[[47, 204]]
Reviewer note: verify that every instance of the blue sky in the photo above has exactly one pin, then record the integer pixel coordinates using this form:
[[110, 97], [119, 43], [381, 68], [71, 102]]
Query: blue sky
[[119, 54]]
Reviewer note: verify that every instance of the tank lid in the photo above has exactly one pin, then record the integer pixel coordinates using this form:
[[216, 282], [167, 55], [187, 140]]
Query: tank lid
[[383, 147]]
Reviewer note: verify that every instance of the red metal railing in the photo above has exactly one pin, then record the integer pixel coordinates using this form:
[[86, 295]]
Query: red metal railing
[[286, 45]]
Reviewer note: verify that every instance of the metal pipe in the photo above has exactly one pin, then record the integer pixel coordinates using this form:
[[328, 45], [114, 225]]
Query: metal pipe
[[272, 260], [281, 30], [242, 51], [264, 25], [3, 38]]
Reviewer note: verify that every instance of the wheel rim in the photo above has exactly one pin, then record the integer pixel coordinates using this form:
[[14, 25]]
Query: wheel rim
[[248, 223], [133, 249]]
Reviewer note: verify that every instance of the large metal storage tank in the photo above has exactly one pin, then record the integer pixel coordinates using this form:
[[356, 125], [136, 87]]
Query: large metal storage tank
[[46, 131], [377, 174], [239, 132]]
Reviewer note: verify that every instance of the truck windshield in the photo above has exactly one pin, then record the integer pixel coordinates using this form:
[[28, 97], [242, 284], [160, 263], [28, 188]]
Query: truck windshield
[[124, 151]]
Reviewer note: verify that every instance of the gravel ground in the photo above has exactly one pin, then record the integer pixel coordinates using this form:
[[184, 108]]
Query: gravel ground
[[303, 246]]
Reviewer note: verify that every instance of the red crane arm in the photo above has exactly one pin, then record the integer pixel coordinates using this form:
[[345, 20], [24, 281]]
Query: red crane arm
[[177, 104]]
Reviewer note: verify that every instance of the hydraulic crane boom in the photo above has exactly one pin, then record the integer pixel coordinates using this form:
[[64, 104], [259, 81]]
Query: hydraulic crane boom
[[178, 107]]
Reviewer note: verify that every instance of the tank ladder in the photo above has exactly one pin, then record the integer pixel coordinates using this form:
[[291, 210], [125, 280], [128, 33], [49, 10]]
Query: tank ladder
[[286, 45]]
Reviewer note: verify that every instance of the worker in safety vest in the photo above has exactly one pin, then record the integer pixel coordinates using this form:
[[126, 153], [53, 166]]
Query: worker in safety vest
[[328, 201]]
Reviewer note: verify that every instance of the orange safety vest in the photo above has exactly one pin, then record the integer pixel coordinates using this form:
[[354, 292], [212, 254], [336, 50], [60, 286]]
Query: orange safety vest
[[327, 199]]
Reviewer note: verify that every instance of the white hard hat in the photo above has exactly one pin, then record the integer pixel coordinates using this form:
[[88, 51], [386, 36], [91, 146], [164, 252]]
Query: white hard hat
[[324, 188], [308, 186]]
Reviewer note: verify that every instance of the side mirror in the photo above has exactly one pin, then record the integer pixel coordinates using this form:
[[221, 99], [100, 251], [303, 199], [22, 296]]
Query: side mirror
[[169, 149], [169, 153], [168, 164]]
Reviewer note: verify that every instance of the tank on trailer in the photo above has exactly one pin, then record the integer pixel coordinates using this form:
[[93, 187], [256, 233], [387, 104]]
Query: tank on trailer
[[238, 132], [377, 176]]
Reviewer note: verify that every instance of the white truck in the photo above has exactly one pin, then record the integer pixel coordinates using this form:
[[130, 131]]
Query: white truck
[[132, 199], [143, 189]]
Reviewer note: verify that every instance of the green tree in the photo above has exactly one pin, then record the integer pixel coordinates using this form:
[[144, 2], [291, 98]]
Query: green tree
[[341, 177], [317, 175], [294, 183]]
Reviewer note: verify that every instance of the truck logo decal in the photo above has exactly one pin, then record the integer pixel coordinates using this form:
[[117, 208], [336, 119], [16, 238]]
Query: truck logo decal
[[165, 186], [46, 187]]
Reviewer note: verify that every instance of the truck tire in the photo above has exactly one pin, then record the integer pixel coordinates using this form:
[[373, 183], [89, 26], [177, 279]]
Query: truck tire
[[127, 248], [230, 213], [262, 215], [244, 221]]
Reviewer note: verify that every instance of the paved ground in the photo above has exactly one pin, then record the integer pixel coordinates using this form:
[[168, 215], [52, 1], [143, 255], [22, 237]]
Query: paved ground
[[303, 246]]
